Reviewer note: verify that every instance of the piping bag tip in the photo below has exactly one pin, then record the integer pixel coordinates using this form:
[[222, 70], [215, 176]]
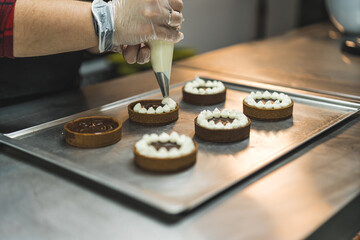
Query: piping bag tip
[[164, 83]]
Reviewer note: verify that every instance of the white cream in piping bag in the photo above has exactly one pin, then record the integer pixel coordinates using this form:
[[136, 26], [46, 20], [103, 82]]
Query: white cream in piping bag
[[161, 56]]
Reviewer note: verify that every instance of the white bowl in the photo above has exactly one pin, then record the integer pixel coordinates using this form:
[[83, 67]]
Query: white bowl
[[345, 14]]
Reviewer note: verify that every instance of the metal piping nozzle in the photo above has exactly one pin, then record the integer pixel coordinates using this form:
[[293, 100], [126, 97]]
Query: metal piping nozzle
[[164, 83]]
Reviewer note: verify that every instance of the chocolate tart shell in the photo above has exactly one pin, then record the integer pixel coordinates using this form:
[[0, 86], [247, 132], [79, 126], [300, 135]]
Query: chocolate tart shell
[[152, 119], [203, 100], [268, 114], [222, 135], [92, 140], [165, 165]]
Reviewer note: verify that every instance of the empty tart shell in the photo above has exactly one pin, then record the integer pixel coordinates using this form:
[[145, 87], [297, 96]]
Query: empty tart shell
[[222, 135], [268, 114], [206, 99], [152, 119], [105, 134], [165, 165]]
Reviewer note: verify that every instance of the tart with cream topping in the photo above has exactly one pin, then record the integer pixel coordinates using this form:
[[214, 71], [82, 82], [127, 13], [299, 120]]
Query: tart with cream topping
[[92, 132], [154, 112], [268, 106], [164, 152], [222, 126], [204, 92]]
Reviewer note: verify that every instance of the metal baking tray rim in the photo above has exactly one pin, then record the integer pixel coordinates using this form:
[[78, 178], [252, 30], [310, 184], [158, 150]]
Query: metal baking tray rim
[[175, 207]]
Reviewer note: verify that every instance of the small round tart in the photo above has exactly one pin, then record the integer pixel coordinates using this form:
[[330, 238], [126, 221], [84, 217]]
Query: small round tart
[[268, 106], [222, 126], [154, 111], [93, 132], [165, 153], [202, 92]]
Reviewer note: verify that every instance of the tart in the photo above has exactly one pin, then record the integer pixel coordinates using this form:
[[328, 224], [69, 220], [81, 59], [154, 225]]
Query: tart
[[268, 106], [222, 126], [165, 153], [92, 132], [154, 111], [204, 92]]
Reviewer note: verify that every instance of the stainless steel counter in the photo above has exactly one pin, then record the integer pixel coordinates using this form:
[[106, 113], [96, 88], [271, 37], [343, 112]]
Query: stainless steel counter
[[314, 190], [309, 58]]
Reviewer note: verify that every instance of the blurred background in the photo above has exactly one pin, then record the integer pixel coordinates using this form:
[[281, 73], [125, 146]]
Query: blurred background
[[213, 24]]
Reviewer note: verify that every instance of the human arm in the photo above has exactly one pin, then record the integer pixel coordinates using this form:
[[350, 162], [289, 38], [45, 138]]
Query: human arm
[[43, 27]]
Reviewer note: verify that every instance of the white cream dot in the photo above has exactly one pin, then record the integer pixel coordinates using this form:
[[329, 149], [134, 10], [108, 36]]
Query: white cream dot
[[211, 124], [164, 137], [137, 107], [165, 100], [260, 104], [166, 109], [162, 153], [143, 110], [174, 152], [232, 114], [225, 113], [172, 106], [266, 95], [219, 125], [174, 136], [216, 113], [181, 140], [151, 110], [159, 110]]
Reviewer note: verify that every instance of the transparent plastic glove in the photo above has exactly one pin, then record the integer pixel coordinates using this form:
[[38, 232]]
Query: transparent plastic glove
[[139, 53], [140, 21]]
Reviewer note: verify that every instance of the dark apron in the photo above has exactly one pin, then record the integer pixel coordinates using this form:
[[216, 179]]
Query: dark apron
[[24, 78]]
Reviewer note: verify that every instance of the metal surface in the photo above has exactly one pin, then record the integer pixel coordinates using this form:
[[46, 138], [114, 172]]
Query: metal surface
[[289, 200], [164, 83], [219, 166], [309, 58]]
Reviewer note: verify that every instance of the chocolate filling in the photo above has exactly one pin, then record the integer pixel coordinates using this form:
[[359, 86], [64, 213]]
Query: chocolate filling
[[154, 104], [93, 125], [264, 100], [167, 145], [222, 120], [204, 87]]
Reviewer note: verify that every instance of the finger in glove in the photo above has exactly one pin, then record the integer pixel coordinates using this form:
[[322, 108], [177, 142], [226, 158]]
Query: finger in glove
[[136, 53]]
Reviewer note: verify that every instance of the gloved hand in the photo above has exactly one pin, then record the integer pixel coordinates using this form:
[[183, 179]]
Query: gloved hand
[[134, 53], [135, 22], [140, 21]]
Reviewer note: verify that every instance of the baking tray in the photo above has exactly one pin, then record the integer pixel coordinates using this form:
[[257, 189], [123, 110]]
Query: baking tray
[[218, 167]]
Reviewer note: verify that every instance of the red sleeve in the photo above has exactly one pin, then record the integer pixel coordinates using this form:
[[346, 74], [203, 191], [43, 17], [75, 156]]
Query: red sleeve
[[6, 27]]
